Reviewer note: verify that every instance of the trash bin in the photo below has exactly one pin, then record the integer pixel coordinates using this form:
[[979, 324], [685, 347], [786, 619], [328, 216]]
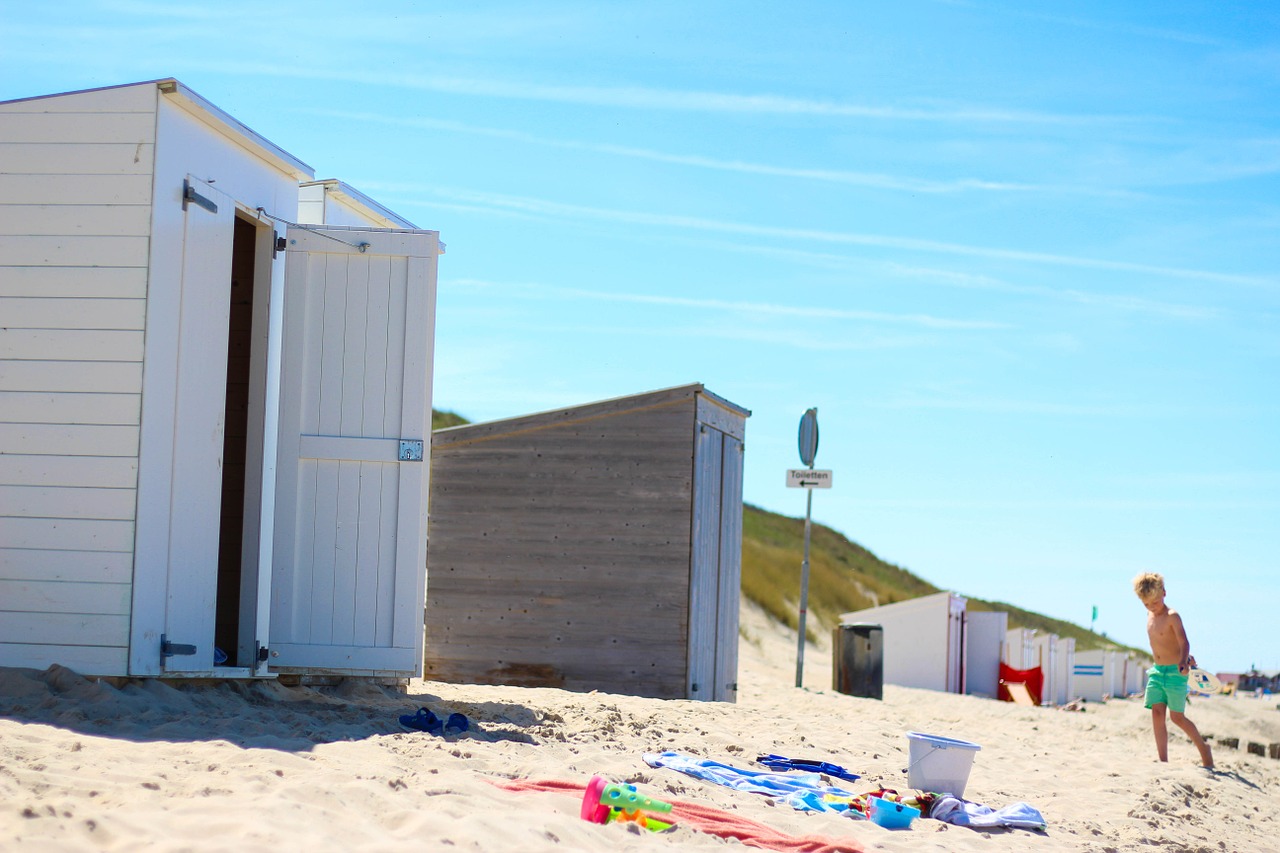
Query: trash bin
[[857, 660]]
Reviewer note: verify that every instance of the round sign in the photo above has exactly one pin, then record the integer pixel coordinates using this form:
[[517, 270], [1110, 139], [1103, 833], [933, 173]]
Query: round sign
[[809, 437]]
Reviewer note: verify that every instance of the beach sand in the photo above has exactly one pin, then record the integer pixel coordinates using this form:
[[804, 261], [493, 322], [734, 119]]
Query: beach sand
[[148, 765]]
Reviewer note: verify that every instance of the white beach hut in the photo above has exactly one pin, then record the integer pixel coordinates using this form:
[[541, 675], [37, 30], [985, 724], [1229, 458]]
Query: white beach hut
[[1094, 675], [1044, 654], [1064, 667], [984, 641], [1019, 648], [924, 640], [205, 469]]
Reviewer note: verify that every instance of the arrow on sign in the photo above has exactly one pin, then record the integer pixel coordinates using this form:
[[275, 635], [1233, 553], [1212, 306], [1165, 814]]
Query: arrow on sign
[[808, 478]]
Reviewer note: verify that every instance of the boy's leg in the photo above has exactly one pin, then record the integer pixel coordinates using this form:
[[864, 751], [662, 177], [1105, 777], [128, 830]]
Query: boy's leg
[[1161, 731], [1181, 721]]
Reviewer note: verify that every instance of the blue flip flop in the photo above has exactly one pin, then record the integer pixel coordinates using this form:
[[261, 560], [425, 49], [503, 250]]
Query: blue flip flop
[[423, 721], [456, 724]]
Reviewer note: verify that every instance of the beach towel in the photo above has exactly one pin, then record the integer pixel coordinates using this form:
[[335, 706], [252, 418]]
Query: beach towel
[[802, 791], [964, 813], [710, 820]]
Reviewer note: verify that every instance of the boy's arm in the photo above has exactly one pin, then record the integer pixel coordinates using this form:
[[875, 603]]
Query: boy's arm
[[1184, 645]]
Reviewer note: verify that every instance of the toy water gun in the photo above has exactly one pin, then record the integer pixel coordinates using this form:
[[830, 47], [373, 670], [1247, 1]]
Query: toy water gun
[[604, 802]]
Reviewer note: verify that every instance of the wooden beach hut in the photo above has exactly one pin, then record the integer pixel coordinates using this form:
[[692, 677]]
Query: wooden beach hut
[[596, 547], [213, 422]]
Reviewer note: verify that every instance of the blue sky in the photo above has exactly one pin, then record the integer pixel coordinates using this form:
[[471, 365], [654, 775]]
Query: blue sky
[[1024, 258]]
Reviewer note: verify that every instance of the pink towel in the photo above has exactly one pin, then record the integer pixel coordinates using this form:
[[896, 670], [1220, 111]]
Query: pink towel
[[709, 820]]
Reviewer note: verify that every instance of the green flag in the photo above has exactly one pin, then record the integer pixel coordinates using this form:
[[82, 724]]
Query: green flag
[[1095, 612]]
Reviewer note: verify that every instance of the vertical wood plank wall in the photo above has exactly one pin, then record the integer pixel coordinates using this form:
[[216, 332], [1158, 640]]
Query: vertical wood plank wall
[[576, 549], [558, 553], [75, 191]]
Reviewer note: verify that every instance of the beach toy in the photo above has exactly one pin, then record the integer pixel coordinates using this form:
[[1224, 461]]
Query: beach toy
[[892, 815], [939, 764], [1203, 681], [604, 802]]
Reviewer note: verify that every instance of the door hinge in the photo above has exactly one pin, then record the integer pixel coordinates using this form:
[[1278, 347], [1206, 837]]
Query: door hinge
[[410, 450], [277, 245], [190, 196], [170, 649], [262, 652]]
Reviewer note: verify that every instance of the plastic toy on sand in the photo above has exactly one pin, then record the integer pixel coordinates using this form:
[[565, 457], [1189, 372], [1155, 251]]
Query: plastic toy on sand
[[604, 802]]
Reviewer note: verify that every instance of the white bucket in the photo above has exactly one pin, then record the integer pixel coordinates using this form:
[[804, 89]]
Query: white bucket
[[939, 765]]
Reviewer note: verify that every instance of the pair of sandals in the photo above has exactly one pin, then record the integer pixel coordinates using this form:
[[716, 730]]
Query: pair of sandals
[[425, 721]]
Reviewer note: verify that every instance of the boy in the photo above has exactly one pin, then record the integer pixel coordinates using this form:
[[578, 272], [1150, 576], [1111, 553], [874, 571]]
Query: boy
[[1167, 680]]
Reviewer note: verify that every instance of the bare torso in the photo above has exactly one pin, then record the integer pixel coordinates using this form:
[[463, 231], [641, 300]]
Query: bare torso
[[1168, 640]]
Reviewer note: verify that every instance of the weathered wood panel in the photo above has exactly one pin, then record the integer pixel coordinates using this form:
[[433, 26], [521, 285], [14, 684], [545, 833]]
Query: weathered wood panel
[[78, 344], [93, 158], [50, 503], [72, 313], [110, 377], [33, 407], [65, 251], [91, 566], [98, 660], [64, 629], [132, 98], [559, 550], [69, 439], [78, 128], [57, 534], [74, 189], [31, 596], [95, 220], [88, 471], [97, 282]]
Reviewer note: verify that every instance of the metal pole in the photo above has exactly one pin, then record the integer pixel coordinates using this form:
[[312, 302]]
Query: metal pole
[[804, 590]]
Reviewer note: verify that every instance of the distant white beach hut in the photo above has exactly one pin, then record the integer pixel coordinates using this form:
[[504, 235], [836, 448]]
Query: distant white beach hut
[[214, 424], [1044, 654], [984, 642], [1019, 648], [924, 640], [1095, 675], [1064, 667]]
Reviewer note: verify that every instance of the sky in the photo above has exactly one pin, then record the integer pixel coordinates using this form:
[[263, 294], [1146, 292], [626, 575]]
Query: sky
[[1024, 258]]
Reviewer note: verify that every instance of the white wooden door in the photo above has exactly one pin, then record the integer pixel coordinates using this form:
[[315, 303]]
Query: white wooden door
[[349, 558], [188, 503]]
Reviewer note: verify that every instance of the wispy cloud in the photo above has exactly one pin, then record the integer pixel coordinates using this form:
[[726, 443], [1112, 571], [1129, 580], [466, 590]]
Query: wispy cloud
[[560, 210], [1120, 302], [668, 100], [765, 309], [871, 180]]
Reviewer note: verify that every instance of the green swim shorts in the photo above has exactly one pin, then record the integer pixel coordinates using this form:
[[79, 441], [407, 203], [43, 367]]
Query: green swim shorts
[[1166, 686]]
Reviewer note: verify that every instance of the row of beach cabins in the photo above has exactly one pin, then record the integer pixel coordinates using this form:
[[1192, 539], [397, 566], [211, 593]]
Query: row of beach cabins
[[982, 656]]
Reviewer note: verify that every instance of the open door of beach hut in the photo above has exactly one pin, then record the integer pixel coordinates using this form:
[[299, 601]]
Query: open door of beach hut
[[351, 482]]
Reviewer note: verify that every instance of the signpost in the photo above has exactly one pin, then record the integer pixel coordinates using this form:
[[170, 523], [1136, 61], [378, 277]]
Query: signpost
[[807, 479]]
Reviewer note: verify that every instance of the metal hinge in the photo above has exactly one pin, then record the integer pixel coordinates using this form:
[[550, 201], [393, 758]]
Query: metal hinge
[[168, 649], [410, 450], [261, 652], [190, 196]]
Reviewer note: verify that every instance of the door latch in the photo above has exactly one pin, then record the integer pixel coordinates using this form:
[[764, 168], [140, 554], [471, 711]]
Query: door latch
[[170, 649]]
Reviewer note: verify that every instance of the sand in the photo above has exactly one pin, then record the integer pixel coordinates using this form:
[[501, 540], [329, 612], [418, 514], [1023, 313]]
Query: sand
[[147, 765]]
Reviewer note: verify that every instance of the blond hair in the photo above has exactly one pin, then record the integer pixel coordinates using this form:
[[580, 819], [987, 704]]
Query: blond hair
[[1148, 585]]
